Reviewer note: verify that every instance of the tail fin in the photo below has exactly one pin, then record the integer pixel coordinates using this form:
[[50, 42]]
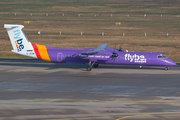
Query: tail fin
[[19, 41]]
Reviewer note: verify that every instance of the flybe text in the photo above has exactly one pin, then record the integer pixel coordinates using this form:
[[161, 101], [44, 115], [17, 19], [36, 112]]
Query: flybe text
[[135, 58], [18, 40]]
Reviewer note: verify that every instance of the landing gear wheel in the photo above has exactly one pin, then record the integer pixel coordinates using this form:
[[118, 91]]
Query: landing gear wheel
[[95, 65], [88, 69], [166, 68]]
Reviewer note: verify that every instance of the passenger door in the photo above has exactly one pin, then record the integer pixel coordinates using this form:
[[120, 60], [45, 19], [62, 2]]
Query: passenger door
[[59, 57]]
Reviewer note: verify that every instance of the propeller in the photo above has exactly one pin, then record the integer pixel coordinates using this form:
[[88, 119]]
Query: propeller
[[120, 50], [114, 54]]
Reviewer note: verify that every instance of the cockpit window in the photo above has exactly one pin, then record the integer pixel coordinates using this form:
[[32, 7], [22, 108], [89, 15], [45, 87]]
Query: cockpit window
[[161, 56]]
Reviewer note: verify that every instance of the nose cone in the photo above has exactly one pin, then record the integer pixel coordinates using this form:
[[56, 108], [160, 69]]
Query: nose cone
[[169, 62]]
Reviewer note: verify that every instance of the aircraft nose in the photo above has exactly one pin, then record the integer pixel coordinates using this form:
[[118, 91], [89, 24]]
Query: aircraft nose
[[170, 62]]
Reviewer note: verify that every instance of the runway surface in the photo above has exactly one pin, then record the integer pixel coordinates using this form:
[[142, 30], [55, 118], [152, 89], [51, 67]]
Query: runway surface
[[36, 90]]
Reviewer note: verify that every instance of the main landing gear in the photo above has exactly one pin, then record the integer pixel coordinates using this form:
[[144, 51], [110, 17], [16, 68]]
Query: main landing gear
[[89, 68], [95, 65], [166, 68]]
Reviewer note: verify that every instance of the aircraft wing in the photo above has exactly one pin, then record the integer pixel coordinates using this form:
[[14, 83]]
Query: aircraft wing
[[101, 47]]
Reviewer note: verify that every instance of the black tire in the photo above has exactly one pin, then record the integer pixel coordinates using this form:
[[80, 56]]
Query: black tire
[[166, 68], [89, 69], [95, 65]]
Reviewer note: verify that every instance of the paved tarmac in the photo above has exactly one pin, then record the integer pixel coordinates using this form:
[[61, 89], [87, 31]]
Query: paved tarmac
[[36, 90]]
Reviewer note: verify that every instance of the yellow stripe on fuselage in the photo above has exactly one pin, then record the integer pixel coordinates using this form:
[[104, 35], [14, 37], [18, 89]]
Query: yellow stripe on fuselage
[[43, 52]]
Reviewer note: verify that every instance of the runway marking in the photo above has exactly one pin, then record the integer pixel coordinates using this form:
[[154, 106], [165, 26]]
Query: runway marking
[[163, 113]]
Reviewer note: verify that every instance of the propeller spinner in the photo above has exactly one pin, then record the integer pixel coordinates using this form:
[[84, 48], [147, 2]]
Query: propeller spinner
[[114, 55]]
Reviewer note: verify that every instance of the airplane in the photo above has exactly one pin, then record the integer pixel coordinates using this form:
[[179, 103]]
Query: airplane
[[91, 56]]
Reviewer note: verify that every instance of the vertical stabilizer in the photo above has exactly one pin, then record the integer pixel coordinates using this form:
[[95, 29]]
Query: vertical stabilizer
[[19, 41]]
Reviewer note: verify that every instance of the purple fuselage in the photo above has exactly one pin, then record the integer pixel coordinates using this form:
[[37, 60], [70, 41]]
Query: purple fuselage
[[104, 57]]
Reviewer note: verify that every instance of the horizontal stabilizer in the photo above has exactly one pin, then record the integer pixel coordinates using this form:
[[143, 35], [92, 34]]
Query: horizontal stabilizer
[[9, 26]]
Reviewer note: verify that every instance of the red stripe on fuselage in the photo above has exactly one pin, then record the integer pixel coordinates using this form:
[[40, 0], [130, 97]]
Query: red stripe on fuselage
[[36, 51]]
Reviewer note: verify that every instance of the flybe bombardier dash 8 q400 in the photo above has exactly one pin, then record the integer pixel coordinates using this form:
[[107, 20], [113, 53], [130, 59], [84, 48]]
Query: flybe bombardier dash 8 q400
[[93, 56]]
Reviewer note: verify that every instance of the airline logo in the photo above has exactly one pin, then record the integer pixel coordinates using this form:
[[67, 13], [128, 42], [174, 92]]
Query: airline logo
[[135, 58], [18, 40]]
